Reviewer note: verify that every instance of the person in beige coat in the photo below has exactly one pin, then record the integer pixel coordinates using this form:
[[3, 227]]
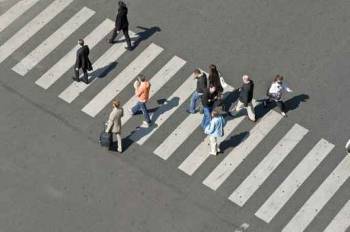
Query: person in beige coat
[[114, 124]]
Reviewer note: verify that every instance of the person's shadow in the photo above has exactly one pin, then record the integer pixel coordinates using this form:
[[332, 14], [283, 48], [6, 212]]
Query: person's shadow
[[142, 131], [145, 34], [103, 71]]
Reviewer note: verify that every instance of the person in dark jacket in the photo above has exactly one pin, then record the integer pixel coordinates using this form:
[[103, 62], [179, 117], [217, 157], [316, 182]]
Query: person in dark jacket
[[208, 99], [246, 97], [197, 94], [82, 62], [122, 24], [214, 79]]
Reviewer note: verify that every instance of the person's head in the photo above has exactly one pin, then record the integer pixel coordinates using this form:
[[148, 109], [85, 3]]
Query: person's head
[[246, 79], [215, 113], [278, 79], [212, 89], [212, 69], [141, 77], [81, 42], [121, 4], [116, 103], [197, 72]]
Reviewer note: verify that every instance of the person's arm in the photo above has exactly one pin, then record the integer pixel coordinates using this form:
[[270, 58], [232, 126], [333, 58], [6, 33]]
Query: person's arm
[[139, 91], [110, 121], [286, 88], [210, 128]]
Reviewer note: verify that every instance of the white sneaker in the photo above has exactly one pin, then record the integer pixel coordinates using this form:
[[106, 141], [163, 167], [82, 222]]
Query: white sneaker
[[284, 114], [145, 124]]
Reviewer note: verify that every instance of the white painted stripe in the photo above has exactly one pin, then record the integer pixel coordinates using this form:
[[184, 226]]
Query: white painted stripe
[[14, 12], [294, 180], [261, 172], [53, 41], [320, 198], [180, 134], [66, 62], [341, 222], [32, 27], [165, 111], [157, 82], [122, 80], [201, 153], [100, 66], [238, 154]]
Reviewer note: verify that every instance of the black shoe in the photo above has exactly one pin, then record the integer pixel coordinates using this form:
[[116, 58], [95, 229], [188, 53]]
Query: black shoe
[[111, 41], [86, 81], [128, 48], [76, 79]]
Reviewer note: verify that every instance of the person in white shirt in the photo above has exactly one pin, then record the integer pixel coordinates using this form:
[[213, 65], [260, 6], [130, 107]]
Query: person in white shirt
[[275, 94]]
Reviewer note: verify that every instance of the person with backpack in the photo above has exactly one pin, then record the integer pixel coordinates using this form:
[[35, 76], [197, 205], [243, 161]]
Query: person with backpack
[[114, 124], [122, 24], [246, 97], [276, 92], [214, 130]]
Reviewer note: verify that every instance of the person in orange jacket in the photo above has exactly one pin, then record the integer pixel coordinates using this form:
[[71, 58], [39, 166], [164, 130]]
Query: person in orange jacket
[[142, 88]]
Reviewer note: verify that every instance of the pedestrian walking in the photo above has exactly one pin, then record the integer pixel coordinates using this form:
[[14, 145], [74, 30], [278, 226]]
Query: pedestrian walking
[[214, 79], [246, 97], [82, 62], [142, 88], [208, 99], [201, 79], [275, 94], [114, 124], [215, 129], [347, 146], [122, 24]]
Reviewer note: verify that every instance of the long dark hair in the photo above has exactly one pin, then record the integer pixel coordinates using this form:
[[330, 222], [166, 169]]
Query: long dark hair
[[214, 78]]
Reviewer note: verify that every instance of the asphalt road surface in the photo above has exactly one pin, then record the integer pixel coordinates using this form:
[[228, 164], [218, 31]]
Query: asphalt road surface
[[280, 174]]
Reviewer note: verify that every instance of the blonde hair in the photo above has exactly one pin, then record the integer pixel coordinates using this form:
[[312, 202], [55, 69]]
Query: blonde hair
[[116, 103]]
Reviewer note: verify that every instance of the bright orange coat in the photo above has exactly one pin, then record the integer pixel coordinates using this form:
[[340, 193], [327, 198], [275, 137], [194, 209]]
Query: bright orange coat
[[142, 91]]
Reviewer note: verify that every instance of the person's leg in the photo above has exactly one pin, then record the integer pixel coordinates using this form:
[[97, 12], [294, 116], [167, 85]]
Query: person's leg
[[136, 108], [85, 77], [110, 142], [119, 140], [114, 34], [145, 112], [127, 37], [206, 117], [213, 145], [193, 102], [281, 106], [251, 113]]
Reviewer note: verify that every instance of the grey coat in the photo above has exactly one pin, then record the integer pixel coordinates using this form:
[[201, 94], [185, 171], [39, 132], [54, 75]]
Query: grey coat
[[114, 123]]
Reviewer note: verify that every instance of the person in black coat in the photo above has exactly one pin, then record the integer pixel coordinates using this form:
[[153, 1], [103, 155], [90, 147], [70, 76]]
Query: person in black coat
[[246, 97], [208, 99], [201, 79], [122, 24], [82, 62]]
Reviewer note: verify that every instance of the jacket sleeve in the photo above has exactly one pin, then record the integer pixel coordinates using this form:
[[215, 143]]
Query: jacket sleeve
[[110, 121], [139, 91], [286, 88], [210, 128]]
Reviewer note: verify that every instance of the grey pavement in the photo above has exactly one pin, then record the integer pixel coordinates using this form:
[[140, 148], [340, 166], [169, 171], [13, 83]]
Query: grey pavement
[[55, 177]]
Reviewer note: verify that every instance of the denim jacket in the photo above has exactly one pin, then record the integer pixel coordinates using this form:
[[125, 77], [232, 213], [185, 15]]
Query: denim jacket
[[216, 127]]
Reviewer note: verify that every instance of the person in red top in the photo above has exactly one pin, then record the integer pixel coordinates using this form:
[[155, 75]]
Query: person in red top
[[142, 88]]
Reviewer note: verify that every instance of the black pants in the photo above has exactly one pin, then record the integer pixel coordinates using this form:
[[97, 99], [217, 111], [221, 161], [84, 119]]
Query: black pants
[[85, 76], [126, 35], [280, 104]]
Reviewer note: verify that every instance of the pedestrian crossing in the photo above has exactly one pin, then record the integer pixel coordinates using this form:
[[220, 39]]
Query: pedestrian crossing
[[178, 96]]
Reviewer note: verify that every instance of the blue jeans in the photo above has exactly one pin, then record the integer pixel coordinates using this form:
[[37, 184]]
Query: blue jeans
[[141, 106], [206, 117], [194, 98]]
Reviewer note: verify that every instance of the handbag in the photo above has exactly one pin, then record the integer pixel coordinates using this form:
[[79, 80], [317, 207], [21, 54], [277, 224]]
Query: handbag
[[105, 138]]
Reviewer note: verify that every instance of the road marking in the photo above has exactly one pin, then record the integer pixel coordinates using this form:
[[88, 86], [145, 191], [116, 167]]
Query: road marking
[[165, 111], [100, 66], [201, 153], [32, 27], [239, 153], [122, 80], [320, 197], [294, 180], [180, 134], [341, 221], [157, 82], [53, 41], [66, 62], [261, 172], [14, 12]]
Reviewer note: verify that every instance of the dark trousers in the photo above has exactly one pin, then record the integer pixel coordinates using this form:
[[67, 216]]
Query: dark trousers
[[126, 35], [280, 104], [141, 106], [85, 76]]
